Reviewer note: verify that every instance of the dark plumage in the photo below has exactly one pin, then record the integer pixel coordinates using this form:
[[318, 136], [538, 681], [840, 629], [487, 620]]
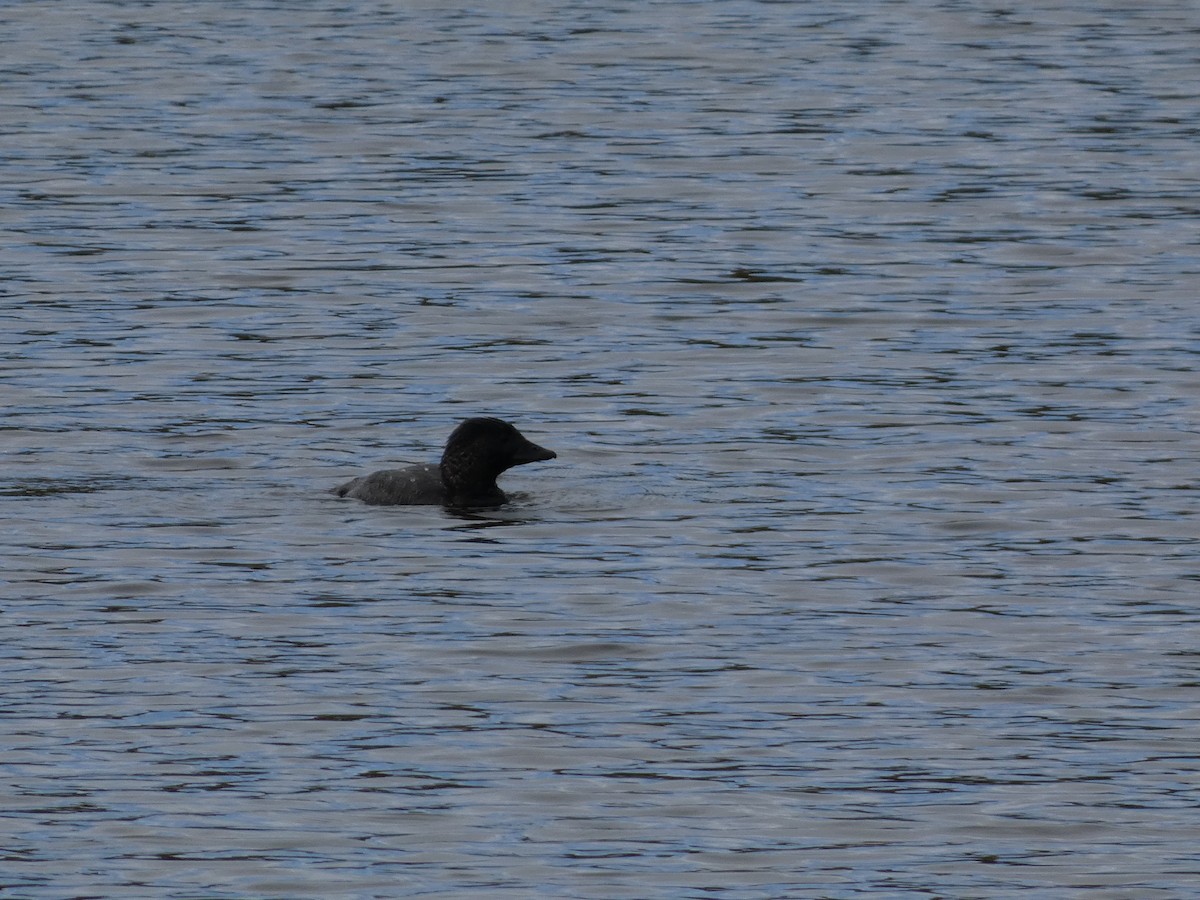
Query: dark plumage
[[477, 452]]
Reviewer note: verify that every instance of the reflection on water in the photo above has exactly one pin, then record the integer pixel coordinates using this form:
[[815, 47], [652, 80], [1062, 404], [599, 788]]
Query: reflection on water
[[868, 345]]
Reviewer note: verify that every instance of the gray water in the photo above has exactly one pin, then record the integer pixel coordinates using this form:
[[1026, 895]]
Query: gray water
[[867, 336]]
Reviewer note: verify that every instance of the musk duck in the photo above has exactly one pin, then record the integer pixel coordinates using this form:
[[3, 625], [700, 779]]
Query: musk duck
[[477, 452]]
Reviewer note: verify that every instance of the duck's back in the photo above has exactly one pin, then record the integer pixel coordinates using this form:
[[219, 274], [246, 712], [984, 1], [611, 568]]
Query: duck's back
[[419, 485]]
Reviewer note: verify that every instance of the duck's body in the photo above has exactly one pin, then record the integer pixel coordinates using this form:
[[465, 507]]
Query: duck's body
[[414, 486], [476, 453]]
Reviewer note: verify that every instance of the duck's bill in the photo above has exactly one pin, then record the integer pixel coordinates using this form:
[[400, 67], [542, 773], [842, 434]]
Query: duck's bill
[[531, 452]]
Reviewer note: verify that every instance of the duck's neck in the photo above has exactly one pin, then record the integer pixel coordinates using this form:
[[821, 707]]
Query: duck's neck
[[469, 485]]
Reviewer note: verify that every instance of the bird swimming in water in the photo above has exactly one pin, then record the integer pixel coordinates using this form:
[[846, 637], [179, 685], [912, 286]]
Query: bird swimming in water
[[477, 451]]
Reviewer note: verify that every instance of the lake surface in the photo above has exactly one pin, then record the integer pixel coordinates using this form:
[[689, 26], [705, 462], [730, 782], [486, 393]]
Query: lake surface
[[868, 338]]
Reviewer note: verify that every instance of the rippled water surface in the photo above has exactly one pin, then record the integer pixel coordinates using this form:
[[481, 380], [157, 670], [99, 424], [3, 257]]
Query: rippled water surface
[[867, 336]]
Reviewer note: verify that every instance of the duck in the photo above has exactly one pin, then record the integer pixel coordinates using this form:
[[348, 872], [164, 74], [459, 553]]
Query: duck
[[476, 453]]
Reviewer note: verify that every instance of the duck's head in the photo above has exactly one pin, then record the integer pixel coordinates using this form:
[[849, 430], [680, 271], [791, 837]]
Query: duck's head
[[480, 449]]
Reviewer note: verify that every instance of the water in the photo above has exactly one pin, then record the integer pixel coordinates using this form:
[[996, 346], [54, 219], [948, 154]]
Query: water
[[867, 338]]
